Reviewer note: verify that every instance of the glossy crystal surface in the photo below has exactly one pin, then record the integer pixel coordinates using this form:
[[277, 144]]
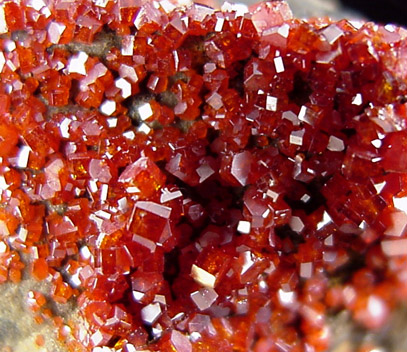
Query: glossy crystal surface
[[199, 179]]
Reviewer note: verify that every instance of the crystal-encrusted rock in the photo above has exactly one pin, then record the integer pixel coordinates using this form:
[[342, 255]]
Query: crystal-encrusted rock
[[198, 179]]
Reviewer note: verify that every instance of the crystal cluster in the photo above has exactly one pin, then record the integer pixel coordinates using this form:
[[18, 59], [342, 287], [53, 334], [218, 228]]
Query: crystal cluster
[[198, 179]]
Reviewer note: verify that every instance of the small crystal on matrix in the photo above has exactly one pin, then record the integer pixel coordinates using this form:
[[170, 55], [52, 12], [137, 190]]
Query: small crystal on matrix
[[194, 178]]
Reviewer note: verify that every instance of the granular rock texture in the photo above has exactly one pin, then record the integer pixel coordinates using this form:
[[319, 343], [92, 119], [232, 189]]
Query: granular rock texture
[[194, 179]]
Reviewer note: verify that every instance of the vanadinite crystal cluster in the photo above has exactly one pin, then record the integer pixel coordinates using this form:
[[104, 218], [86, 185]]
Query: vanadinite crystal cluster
[[199, 179]]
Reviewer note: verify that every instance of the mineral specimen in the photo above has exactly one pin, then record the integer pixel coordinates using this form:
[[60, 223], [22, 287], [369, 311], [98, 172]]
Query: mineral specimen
[[199, 179]]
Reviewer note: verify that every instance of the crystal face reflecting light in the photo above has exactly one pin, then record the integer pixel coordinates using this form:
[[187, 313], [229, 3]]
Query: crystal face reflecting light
[[195, 177]]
